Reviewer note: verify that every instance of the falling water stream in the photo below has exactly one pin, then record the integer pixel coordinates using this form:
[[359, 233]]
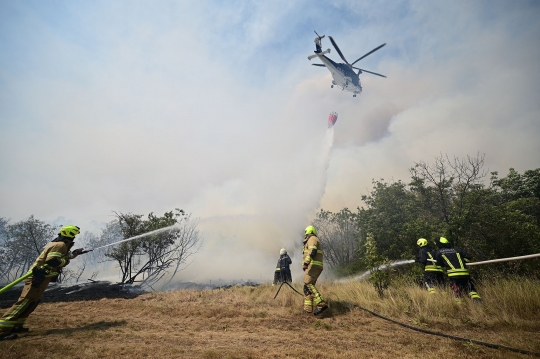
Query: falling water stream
[[365, 275]]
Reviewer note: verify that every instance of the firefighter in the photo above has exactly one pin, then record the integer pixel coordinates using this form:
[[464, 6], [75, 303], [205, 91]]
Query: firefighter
[[454, 260], [433, 274], [312, 264], [283, 270], [45, 269]]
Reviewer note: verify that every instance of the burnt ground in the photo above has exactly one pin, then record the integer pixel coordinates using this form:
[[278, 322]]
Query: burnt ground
[[102, 289], [78, 292]]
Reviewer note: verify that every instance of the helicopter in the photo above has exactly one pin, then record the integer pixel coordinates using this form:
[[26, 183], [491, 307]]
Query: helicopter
[[343, 74]]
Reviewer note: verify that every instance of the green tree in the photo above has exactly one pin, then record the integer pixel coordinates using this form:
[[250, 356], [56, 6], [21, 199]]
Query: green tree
[[380, 266], [392, 216], [450, 191], [449, 198]]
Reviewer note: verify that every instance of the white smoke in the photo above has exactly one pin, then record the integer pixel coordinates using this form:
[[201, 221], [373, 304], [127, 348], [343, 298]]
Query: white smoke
[[243, 242]]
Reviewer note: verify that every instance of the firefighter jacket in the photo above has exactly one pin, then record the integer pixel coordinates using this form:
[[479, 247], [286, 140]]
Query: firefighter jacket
[[424, 254], [283, 262], [454, 260], [312, 252], [55, 255]]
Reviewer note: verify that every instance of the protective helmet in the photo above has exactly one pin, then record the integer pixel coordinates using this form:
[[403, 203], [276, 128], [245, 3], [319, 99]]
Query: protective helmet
[[69, 231], [422, 242], [443, 242], [311, 230], [282, 251]]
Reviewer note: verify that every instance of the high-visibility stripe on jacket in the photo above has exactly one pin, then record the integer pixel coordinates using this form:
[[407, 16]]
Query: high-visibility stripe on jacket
[[432, 267], [284, 262], [454, 260], [312, 252], [54, 250], [424, 254]]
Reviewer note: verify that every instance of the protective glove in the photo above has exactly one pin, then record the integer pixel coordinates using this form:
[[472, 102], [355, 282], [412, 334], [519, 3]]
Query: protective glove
[[76, 253], [305, 266], [38, 276]]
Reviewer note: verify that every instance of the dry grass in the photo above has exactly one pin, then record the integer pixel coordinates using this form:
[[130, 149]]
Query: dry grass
[[247, 323]]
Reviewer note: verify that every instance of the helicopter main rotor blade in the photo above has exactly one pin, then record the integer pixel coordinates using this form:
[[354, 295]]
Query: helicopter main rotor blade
[[369, 53], [321, 65], [369, 72], [338, 50]]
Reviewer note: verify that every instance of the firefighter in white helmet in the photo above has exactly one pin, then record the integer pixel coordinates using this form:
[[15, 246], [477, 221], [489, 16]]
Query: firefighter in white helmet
[[283, 270], [312, 264]]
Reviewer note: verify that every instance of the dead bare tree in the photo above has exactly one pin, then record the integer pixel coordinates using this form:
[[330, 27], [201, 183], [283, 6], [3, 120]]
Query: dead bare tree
[[22, 243], [453, 185], [338, 233], [152, 257], [69, 275]]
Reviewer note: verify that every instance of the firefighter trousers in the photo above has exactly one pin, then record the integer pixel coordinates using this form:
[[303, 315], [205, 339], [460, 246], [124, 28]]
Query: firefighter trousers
[[312, 297], [460, 284], [282, 275], [433, 279], [27, 303]]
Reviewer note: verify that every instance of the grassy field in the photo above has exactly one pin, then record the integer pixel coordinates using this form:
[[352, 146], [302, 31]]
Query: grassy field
[[245, 322]]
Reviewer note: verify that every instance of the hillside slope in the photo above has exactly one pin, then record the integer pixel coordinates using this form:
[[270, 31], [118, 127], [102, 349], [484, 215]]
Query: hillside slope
[[245, 322]]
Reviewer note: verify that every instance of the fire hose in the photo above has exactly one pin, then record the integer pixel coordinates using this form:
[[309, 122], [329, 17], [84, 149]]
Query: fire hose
[[81, 251], [490, 345], [16, 281], [30, 272], [289, 286], [499, 260]]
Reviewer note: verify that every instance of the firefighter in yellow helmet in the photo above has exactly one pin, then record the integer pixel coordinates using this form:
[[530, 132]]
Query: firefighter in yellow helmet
[[433, 273], [45, 269], [312, 264], [455, 261]]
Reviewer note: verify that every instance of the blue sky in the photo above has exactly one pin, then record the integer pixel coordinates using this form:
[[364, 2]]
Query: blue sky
[[213, 107]]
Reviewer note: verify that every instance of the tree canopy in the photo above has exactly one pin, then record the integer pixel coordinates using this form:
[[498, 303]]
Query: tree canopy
[[451, 197]]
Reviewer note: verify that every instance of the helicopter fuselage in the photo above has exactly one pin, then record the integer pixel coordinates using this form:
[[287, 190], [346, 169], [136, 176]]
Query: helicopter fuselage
[[343, 76]]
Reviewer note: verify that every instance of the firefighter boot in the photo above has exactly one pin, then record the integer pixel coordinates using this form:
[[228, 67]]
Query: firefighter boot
[[475, 297], [9, 336], [320, 310], [20, 329], [308, 306]]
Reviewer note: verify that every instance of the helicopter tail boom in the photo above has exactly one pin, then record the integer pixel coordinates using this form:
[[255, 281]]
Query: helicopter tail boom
[[311, 57]]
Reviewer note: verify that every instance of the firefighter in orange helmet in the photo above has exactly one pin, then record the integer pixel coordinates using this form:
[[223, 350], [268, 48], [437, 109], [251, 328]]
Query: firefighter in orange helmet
[[45, 269], [312, 264]]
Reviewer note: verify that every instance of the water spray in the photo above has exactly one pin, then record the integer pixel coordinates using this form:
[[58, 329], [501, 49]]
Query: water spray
[[384, 266], [165, 229], [81, 251]]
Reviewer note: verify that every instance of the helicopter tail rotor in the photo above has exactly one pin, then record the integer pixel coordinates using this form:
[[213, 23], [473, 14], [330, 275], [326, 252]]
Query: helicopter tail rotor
[[319, 36]]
